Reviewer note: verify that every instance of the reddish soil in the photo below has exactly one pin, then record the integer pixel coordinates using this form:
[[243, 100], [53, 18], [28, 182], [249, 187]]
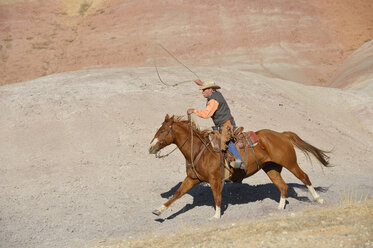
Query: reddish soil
[[303, 41]]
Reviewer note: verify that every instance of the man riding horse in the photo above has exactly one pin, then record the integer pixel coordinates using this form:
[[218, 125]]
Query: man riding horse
[[217, 108], [275, 152]]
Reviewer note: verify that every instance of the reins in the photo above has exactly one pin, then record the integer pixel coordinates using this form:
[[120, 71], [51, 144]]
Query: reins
[[206, 146], [191, 135], [191, 147], [157, 155]]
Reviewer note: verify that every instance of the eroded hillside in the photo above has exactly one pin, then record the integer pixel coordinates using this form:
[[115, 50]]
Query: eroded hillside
[[303, 41]]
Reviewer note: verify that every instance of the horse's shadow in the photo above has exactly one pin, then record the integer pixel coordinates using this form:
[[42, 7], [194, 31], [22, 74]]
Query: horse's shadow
[[233, 194]]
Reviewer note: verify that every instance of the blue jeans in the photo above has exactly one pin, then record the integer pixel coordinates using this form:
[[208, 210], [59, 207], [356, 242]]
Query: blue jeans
[[232, 148]]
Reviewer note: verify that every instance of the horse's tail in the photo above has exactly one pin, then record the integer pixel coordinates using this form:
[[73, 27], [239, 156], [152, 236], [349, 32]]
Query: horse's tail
[[308, 148]]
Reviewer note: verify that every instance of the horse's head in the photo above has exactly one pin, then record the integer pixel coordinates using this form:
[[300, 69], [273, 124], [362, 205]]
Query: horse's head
[[163, 137]]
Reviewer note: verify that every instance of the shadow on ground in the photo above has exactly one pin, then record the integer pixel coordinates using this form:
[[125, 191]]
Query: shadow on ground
[[233, 194]]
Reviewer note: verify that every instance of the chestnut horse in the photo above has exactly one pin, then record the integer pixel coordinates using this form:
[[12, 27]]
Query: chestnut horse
[[276, 151]]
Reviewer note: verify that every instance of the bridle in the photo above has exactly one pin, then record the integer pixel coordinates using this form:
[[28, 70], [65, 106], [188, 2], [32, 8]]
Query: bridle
[[157, 155], [164, 142]]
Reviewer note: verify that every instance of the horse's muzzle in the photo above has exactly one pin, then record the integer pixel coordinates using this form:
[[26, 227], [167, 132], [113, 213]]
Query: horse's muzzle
[[154, 149]]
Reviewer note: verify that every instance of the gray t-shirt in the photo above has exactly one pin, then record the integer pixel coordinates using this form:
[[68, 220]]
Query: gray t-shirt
[[223, 113]]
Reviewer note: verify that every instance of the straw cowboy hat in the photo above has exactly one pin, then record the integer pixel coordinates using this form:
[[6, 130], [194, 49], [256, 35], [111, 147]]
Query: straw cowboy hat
[[209, 84]]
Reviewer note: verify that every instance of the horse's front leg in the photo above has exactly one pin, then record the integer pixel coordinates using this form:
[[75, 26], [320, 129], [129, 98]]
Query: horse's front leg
[[216, 187], [187, 184]]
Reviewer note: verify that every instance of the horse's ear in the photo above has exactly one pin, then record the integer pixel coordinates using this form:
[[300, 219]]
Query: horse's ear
[[166, 118]]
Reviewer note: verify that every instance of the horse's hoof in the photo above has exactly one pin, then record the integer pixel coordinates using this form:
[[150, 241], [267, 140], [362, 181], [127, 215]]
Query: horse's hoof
[[157, 212], [216, 217], [321, 201]]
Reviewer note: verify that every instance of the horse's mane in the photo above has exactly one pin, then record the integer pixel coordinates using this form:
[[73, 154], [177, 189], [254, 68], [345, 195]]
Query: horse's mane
[[181, 119]]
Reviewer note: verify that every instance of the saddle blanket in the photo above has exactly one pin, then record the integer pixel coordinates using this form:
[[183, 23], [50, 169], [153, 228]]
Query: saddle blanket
[[254, 138]]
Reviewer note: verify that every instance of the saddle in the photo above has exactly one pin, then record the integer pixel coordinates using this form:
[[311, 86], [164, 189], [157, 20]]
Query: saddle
[[248, 139], [241, 139]]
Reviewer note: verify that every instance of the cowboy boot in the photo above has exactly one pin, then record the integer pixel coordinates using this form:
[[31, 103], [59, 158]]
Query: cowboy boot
[[237, 164]]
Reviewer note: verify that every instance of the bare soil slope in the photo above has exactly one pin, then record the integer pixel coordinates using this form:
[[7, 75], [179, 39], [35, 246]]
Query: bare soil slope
[[75, 168]]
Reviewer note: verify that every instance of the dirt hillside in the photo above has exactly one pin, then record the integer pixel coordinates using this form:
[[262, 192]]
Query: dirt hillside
[[303, 41], [75, 168]]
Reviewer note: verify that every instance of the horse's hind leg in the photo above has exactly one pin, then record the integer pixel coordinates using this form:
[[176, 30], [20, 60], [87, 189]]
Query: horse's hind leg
[[273, 171], [301, 175], [187, 184]]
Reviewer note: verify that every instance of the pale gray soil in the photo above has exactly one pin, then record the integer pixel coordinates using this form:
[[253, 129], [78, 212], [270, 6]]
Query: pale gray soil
[[75, 168]]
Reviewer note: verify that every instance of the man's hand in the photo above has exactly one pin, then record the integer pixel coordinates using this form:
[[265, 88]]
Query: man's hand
[[198, 82], [190, 111]]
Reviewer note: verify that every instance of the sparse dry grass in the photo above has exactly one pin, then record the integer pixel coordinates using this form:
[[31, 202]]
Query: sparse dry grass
[[350, 197], [84, 7], [322, 80], [4, 58], [347, 226], [41, 45]]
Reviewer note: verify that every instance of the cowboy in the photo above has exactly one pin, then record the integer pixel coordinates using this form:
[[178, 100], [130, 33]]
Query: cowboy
[[217, 108]]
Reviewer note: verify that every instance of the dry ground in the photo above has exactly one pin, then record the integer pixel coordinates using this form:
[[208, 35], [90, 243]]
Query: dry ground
[[75, 168], [349, 225]]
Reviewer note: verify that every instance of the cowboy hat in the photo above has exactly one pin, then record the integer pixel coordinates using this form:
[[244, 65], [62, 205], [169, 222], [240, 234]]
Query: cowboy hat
[[209, 84]]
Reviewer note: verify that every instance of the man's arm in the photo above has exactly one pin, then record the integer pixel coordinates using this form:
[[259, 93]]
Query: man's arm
[[210, 109], [198, 82]]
